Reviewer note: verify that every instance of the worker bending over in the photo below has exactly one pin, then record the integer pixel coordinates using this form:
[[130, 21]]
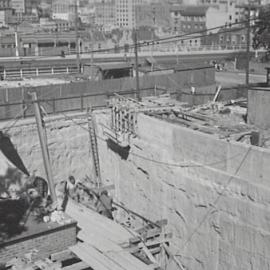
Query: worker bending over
[[104, 204]]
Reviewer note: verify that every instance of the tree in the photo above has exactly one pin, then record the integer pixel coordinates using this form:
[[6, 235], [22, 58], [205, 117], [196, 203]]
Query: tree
[[262, 29]]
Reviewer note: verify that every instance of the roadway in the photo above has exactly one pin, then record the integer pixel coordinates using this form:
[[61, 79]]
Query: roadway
[[69, 60], [234, 79]]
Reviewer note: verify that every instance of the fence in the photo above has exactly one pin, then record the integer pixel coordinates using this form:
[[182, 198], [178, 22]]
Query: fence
[[66, 104], [36, 72]]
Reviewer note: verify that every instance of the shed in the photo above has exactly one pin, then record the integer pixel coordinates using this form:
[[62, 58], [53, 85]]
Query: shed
[[258, 107], [105, 71]]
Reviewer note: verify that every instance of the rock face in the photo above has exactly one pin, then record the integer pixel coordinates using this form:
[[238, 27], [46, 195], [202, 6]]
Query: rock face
[[215, 194], [68, 143]]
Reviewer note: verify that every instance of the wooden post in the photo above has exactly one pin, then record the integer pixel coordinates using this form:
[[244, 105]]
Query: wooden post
[[78, 60], [23, 108], [81, 98], [43, 144], [136, 66], [54, 106], [248, 45]]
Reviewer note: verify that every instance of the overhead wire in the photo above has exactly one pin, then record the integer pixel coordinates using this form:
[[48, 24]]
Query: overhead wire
[[215, 202], [189, 165], [220, 194], [172, 39], [15, 119]]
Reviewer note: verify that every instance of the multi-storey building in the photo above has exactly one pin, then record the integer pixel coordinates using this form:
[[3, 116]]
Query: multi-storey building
[[231, 8], [153, 14], [125, 13], [5, 4], [64, 10], [6, 12], [188, 19], [31, 5], [18, 6], [105, 14]]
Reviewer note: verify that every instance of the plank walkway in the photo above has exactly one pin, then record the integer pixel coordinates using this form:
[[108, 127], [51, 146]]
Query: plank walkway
[[100, 241]]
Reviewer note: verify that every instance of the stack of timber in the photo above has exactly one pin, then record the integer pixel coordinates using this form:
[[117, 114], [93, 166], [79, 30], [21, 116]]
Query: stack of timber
[[103, 243]]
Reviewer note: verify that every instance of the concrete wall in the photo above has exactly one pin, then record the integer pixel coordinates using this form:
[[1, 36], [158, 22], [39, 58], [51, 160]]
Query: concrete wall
[[236, 233], [186, 78], [258, 107]]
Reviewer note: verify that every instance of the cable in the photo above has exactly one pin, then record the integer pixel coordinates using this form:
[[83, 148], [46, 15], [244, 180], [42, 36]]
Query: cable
[[216, 200], [153, 160], [15, 119], [169, 39]]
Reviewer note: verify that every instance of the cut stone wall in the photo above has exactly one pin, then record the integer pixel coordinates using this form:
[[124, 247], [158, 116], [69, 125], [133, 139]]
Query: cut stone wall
[[227, 181], [68, 143], [217, 202]]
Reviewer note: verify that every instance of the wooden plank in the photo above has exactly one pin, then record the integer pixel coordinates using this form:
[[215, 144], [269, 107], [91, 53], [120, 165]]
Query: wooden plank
[[158, 240], [61, 256], [95, 259], [76, 266], [90, 221], [88, 258], [101, 243], [129, 261], [149, 234], [168, 251], [149, 254]]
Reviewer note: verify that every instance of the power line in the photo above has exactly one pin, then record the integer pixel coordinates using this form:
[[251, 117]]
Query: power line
[[175, 38], [191, 165], [216, 200], [15, 119]]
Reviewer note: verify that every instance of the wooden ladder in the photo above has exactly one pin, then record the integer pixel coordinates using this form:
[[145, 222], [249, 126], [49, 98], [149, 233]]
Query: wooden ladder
[[94, 145]]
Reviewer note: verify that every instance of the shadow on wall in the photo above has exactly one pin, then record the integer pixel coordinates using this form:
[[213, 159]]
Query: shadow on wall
[[123, 152], [12, 206]]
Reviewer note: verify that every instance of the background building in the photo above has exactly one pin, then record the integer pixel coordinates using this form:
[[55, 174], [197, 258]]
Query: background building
[[105, 14], [63, 10], [18, 6], [153, 14], [125, 13], [188, 19]]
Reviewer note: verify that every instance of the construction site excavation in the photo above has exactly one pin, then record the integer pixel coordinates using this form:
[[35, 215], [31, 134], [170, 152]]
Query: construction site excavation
[[166, 171]]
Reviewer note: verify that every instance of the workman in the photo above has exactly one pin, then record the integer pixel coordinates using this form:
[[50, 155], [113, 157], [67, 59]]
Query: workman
[[71, 188], [104, 204]]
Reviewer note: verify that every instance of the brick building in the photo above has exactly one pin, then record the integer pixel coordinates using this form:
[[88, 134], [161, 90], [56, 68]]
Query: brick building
[[188, 19]]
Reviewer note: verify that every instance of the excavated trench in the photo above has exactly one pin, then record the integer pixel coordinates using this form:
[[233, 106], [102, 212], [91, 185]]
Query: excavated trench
[[214, 194]]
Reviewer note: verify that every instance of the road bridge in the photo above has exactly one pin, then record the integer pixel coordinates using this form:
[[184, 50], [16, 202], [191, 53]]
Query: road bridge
[[162, 57]]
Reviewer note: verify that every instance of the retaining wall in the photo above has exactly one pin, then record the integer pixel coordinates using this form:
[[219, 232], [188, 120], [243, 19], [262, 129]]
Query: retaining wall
[[217, 202]]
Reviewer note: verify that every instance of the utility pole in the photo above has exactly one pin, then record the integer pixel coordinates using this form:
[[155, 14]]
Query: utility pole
[[248, 44], [153, 32], [248, 8], [77, 38], [16, 43], [136, 66], [44, 147]]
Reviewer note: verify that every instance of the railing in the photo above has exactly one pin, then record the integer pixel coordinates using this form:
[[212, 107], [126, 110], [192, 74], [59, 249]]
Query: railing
[[36, 72]]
